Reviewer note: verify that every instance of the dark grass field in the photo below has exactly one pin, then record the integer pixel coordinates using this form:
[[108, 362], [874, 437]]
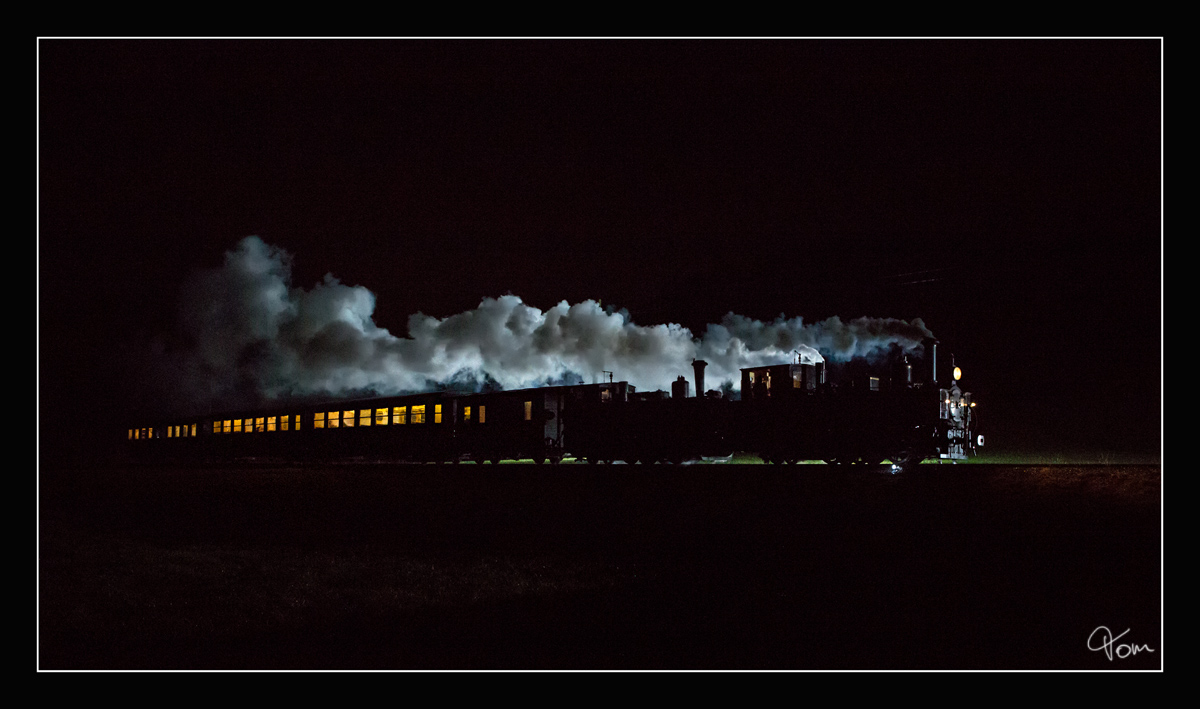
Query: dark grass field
[[607, 567]]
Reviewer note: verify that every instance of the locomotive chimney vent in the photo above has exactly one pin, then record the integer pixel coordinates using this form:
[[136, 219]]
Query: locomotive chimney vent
[[698, 365]]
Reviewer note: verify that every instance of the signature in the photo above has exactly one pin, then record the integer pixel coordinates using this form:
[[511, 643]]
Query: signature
[[1109, 647]]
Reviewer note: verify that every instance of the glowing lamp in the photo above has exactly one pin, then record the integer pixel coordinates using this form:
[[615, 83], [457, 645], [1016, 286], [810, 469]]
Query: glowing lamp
[[957, 374]]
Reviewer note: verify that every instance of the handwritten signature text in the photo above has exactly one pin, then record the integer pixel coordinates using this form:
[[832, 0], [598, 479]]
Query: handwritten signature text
[[1108, 644]]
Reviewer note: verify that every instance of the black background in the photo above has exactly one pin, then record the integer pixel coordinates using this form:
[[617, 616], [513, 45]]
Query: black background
[[1007, 192]]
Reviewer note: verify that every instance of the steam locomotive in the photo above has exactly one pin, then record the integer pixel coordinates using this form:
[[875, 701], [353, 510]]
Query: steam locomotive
[[864, 414]]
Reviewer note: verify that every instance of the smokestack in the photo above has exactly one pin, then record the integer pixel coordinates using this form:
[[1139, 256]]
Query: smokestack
[[679, 388], [698, 365]]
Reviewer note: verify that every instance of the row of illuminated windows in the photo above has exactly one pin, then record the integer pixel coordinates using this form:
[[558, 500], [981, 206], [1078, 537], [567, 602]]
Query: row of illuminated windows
[[260, 424], [398, 415], [182, 431]]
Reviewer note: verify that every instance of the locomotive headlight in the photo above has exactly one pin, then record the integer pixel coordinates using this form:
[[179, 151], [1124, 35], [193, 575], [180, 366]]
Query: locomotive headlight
[[957, 374]]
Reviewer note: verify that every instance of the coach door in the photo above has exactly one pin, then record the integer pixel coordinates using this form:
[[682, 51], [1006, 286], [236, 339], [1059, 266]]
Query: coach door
[[552, 430]]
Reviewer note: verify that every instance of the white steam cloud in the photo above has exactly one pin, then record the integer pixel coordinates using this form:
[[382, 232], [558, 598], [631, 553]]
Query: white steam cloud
[[253, 335]]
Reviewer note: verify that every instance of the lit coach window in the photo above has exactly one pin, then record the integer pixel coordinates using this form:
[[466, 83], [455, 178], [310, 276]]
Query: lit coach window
[[399, 414], [347, 419], [418, 414], [437, 413], [271, 423], [482, 413], [319, 419], [380, 417], [528, 410], [364, 417], [466, 413]]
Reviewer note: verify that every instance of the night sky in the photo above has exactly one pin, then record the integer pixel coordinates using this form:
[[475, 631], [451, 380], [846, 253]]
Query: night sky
[[1008, 193]]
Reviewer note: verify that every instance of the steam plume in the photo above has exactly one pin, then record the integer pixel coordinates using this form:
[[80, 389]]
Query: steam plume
[[255, 336]]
